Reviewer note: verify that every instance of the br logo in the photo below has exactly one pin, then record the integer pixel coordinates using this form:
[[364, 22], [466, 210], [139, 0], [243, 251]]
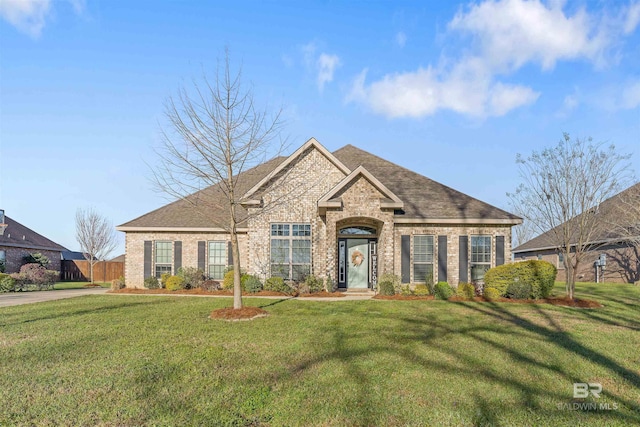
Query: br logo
[[582, 390]]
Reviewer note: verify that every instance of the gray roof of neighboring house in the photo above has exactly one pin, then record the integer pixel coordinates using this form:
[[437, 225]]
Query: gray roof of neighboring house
[[72, 255], [17, 235], [119, 258], [423, 198], [608, 208]]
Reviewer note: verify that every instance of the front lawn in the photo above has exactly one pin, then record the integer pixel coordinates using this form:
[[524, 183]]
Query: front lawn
[[144, 360]]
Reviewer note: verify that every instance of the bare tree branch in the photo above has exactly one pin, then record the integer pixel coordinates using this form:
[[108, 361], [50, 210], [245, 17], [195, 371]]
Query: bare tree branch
[[561, 193], [96, 236]]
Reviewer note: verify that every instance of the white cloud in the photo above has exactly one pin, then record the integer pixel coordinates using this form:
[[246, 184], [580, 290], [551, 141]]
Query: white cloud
[[323, 64], [505, 36], [401, 39], [630, 97], [633, 18], [326, 64], [27, 16], [569, 104]]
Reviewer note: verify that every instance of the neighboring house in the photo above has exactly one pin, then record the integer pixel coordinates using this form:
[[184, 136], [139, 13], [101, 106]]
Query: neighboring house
[[18, 241], [119, 258], [620, 249], [349, 215]]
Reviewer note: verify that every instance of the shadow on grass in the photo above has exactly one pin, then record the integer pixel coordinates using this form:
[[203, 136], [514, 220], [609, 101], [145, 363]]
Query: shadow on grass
[[426, 331]]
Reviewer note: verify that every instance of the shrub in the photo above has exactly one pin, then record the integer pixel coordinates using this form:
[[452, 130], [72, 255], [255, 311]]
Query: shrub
[[538, 275], [421, 290], [519, 290], [191, 276], [389, 280], [277, 284], [36, 274], [406, 290], [252, 284], [491, 294], [330, 285], [7, 283], [386, 288], [227, 281], [466, 290], [19, 281], [37, 258], [2, 266], [117, 283], [163, 279], [210, 285], [173, 283], [151, 282], [443, 291], [315, 284]]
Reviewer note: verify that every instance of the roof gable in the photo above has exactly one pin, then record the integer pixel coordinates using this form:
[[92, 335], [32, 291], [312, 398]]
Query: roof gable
[[311, 143], [18, 235], [395, 202]]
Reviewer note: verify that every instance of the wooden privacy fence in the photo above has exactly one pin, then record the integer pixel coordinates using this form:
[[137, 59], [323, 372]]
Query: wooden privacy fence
[[79, 271]]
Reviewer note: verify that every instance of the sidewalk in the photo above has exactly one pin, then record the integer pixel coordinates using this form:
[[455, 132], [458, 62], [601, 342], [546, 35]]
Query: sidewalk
[[19, 298]]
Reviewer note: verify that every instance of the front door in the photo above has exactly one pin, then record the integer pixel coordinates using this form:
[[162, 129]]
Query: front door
[[358, 263]]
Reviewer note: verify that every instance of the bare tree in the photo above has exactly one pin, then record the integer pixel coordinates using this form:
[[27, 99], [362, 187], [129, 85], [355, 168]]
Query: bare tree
[[624, 223], [561, 193], [522, 232], [96, 236], [215, 133]]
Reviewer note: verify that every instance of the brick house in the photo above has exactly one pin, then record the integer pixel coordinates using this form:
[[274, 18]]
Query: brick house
[[349, 215], [18, 241], [620, 252]]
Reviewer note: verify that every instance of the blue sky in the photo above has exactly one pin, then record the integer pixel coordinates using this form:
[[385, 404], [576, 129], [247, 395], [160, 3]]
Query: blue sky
[[452, 91]]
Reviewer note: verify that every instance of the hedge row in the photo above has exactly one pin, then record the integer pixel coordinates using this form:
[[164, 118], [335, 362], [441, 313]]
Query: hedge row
[[527, 279]]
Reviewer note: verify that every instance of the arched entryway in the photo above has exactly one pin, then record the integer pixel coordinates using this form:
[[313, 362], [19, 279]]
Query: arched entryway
[[358, 253]]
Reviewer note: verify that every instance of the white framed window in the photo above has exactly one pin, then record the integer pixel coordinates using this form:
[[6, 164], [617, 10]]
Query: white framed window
[[422, 258], [163, 258], [480, 256], [290, 255], [217, 259]]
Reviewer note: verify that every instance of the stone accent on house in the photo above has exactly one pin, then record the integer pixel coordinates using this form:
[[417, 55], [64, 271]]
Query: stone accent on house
[[15, 258], [292, 198], [361, 202], [134, 246], [453, 245]]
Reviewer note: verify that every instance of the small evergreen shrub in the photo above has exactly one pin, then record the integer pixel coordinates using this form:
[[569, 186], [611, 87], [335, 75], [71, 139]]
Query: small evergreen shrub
[[36, 274], [466, 290], [163, 279], [406, 290], [519, 290], [227, 281], [174, 283], [386, 288], [252, 284], [314, 284], [394, 280], [330, 285], [37, 258], [117, 284], [421, 290], [7, 283], [192, 277], [152, 282], [491, 294], [277, 284], [443, 291], [538, 275]]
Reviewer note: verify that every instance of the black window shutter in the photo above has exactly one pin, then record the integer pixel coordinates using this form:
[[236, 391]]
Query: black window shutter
[[229, 254], [177, 256], [405, 257], [148, 250], [442, 258], [499, 250], [202, 256], [464, 258]]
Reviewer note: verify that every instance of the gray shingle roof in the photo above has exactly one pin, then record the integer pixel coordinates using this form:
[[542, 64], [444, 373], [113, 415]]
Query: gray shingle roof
[[21, 236], [606, 232], [423, 198]]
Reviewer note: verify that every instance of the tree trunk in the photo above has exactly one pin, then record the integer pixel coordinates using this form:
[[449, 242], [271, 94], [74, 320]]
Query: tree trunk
[[91, 269], [237, 287]]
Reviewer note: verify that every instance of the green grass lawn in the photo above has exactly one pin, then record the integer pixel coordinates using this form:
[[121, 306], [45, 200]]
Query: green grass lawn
[[78, 285], [146, 360]]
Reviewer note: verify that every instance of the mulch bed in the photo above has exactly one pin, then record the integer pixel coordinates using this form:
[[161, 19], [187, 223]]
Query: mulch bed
[[323, 294], [231, 314], [195, 292], [91, 285], [404, 297]]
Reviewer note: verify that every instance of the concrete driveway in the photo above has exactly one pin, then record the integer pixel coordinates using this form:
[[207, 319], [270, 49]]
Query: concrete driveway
[[19, 298]]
